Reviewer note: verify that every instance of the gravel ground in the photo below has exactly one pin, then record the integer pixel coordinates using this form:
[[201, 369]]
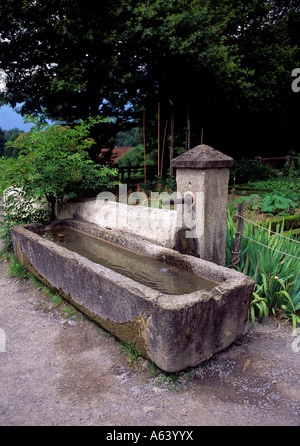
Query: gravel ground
[[58, 371]]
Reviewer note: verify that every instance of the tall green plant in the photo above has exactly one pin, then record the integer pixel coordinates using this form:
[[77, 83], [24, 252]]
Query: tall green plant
[[272, 261]]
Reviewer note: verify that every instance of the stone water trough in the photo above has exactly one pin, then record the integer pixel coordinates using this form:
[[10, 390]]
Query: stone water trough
[[174, 329]]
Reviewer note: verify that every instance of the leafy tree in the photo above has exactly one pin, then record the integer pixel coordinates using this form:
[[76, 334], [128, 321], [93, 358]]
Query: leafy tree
[[135, 157], [68, 58], [49, 49], [54, 163], [129, 138], [267, 36], [182, 59], [59, 63], [221, 65], [10, 136]]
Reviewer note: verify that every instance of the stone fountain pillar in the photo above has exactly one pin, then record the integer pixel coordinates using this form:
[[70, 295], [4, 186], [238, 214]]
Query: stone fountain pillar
[[203, 174]]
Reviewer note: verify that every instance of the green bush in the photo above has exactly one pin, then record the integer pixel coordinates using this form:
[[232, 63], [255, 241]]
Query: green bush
[[54, 163], [274, 203], [245, 171], [135, 157], [285, 187]]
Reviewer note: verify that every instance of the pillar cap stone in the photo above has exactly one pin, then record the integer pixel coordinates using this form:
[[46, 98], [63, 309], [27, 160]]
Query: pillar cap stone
[[202, 157]]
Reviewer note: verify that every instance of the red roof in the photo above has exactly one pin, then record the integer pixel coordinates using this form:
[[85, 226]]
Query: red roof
[[116, 152]]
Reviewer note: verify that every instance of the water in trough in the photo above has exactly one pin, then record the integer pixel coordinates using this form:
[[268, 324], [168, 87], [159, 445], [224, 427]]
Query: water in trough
[[156, 275]]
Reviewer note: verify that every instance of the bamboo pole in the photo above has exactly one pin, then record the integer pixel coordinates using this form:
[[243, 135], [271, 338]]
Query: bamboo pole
[[158, 141], [144, 140], [188, 131], [163, 149], [235, 258], [189, 134], [171, 141]]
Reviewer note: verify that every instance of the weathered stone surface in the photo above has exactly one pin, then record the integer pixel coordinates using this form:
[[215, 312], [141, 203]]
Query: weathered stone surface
[[203, 172], [175, 332], [157, 225], [202, 157], [185, 244]]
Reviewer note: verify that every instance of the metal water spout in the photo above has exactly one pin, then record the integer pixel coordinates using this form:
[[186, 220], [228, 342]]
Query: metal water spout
[[185, 241], [187, 199]]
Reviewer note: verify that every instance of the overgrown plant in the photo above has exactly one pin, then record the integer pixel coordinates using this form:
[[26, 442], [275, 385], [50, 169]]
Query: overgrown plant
[[272, 261]]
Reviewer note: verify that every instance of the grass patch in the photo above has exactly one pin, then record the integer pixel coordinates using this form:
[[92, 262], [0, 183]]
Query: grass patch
[[130, 351], [169, 380], [16, 269], [67, 311], [55, 298]]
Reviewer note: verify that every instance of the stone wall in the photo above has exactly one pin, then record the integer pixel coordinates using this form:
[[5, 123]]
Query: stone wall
[[153, 224]]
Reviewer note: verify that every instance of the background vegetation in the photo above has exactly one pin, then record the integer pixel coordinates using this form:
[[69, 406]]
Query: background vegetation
[[8, 136], [224, 66]]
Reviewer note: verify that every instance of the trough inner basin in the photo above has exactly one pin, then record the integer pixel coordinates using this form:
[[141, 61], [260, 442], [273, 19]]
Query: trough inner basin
[[157, 275]]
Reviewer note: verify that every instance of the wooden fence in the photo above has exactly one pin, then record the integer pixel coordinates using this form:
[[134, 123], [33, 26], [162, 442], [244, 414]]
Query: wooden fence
[[127, 173], [279, 161]]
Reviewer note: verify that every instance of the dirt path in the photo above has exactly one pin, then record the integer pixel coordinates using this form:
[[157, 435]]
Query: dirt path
[[57, 371]]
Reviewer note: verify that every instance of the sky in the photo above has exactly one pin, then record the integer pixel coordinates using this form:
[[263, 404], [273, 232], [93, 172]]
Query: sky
[[9, 119]]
